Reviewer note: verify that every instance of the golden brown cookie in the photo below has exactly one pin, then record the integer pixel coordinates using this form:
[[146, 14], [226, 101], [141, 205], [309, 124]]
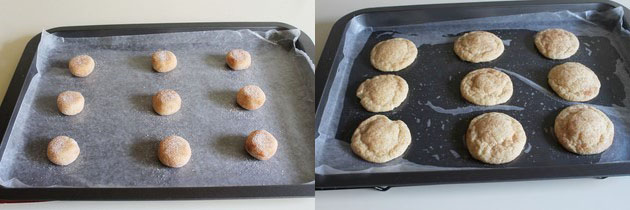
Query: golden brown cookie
[[63, 150], [81, 66], [166, 102], [378, 139], [486, 87], [250, 97], [584, 130], [574, 82], [393, 54], [478, 46], [495, 138], [164, 61], [70, 102], [261, 145], [556, 43], [238, 59], [174, 151], [382, 93]]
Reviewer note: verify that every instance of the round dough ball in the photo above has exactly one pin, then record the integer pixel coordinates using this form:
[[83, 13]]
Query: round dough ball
[[584, 130], [393, 54], [574, 81], [163, 61], [238, 59], [70, 102], [478, 46], [250, 97], [81, 66], [63, 150], [495, 138], [486, 87], [261, 145], [378, 139], [382, 93], [556, 43], [166, 102], [174, 151]]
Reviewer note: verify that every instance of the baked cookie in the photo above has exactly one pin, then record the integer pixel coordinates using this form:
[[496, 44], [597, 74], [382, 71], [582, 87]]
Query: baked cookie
[[62, 150], [393, 54], [261, 145], [238, 59], [166, 102], [584, 130], [81, 66], [174, 151], [70, 102], [378, 139], [495, 138], [486, 87], [383, 92], [164, 61], [556, 43], [250, 97], [574, 81], [478, 46]]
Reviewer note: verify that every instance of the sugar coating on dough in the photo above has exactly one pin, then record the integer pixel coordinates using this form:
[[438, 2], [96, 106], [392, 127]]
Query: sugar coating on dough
[[574, 81], [393, 54], [63, 150], [250, 97], [163, 61], [174, 151], [556, 43], [584, 130], [238, 59], [70, 102], [81, 65], [261, 145], [478, 46], [486, 87], [383, 92], [166, 102], [495, 138], [378, 139]]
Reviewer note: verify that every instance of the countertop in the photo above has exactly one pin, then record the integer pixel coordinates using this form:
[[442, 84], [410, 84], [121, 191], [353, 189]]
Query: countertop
[[21, 20], [587, 193]]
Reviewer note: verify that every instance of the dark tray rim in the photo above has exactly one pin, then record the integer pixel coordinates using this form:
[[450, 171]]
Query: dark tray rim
[[325, 75], [25, 71]]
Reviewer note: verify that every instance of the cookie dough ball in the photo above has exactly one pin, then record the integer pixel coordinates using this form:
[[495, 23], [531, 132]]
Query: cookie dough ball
[[378, 139], [495, 138], [261, 145], [584, 130], [163, 61], [556, 43], [250, 97], [63, 150], [486, 87], [166, 102], [574, 82], [393, 54], [81, 66], [478, 46], [382, 93], [174, 151], [238, 59], [70, 102]]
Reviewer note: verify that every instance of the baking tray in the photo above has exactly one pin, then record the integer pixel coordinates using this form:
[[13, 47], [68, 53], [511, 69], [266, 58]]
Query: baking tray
[[26, 70], [438, 138]]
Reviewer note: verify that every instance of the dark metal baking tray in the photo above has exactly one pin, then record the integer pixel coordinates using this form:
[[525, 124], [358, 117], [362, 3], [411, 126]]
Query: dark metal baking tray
[[353, 113], [26, 70]]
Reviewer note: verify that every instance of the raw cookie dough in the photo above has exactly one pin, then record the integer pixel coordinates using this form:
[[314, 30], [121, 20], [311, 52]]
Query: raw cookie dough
[[250, 97], [378, 139], [382, 93], [393, 54], [495, 138], [63, 150], [238, 59], [70, 102], [261, 145], [174, 151], [574, 81], [556, 43], [81, 66], [486, 87], [166, 102], [584, 130], [163, 61], [478, 46]]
